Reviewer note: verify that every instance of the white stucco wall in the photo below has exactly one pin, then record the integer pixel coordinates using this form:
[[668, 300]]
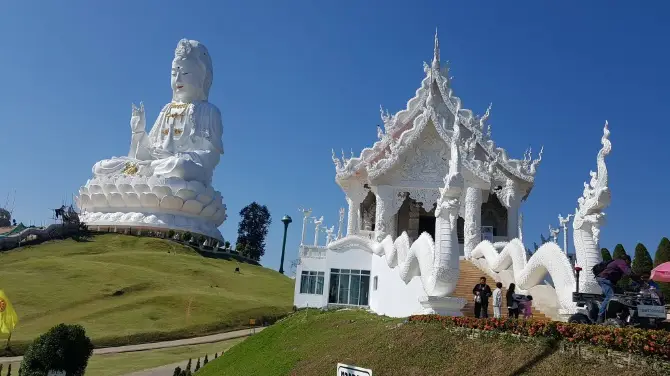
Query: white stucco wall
[[310, 300], [393, 297]]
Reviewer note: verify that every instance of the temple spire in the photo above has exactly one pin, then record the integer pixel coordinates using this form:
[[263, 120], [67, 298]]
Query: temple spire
[[436, 53]]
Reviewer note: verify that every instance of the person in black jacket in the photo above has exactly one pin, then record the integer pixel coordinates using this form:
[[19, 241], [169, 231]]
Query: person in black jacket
[[482, 293], [512, 302]]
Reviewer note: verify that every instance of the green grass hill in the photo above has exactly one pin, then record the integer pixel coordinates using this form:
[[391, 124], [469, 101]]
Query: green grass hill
[[126, 289], [311, 343]]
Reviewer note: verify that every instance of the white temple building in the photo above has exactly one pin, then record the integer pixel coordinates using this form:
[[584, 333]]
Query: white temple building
[[434, 190]]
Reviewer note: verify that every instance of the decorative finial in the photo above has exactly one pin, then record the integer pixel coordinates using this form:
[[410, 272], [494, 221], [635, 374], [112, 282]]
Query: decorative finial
[[533, 165], [486, 116], [436, 52], [336, 161]]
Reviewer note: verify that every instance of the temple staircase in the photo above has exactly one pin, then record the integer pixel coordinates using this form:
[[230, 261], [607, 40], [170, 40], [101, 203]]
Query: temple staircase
[[469, 277]]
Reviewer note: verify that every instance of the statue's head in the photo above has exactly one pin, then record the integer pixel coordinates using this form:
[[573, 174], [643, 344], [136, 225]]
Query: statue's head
[[191, 72]]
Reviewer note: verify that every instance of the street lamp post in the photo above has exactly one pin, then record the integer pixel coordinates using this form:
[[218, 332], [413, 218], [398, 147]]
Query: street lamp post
[[286, 220]]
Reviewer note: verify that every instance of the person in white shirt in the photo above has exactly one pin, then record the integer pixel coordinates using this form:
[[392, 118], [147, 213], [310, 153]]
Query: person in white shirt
[[497, 301]]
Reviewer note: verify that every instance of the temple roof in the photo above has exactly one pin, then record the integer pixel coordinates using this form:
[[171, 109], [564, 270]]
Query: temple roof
[[436, 101]]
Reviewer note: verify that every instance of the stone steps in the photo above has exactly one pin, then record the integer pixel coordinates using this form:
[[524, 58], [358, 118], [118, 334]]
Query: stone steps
[[469, 277]]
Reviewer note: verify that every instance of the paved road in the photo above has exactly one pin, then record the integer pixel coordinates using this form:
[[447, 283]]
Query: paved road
[[158, 345], [167, 370]]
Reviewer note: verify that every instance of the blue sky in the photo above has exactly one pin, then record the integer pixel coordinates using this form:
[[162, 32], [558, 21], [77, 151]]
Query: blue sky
[[297, 79]]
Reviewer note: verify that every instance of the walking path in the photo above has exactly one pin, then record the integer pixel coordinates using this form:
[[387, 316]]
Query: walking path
[[167, 370], [159, 345]]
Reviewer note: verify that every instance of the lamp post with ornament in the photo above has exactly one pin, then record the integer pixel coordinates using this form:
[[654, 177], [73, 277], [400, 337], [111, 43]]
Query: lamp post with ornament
[[286, 220]]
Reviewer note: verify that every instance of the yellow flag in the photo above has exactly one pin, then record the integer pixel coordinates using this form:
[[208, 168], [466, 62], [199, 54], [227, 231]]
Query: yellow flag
[[8, 317]]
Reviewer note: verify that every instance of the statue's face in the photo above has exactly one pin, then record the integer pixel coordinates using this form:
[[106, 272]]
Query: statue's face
[[187, 81]]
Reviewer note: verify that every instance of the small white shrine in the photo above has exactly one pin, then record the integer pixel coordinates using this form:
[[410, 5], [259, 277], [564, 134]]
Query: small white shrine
[[165, 181], [433, 190]]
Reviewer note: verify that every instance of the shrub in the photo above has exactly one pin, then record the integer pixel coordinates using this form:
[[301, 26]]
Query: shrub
[[63, 347], [9, 370], [197, 366], [170, 234], [605, 253], [642, 262], [663, 255], [206, 360], [216, 355], [186, 237], [638, 341], [177, 371]]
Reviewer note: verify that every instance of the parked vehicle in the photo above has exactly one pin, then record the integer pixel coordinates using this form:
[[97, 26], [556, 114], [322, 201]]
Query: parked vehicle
[[642, 308]]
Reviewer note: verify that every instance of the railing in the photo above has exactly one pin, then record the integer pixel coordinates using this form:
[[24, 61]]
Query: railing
[[310, 251]]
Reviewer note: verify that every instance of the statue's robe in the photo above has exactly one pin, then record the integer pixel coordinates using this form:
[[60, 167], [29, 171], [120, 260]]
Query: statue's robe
[[189, 149]]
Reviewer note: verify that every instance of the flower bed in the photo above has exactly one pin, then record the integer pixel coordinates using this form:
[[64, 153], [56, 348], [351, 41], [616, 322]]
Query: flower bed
[[636, 341]]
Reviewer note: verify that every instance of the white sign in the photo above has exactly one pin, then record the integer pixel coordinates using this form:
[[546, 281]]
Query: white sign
[[345, 370], [651, 311], [56, 373]]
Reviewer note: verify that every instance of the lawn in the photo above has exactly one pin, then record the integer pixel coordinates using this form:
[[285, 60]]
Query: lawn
[[124, 363], [126, 289], [312, 343]]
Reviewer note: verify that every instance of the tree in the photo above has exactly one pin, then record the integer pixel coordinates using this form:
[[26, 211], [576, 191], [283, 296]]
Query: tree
[[605, 253], [9, 370], [186, 237], [618, 254], [206, 360], [188, 365], [177, 371], [663, 255], [170, 234], [227, 245], [294, 266], [642, 263], [197, 366], [253, 229], [63, 347], [239, 248]]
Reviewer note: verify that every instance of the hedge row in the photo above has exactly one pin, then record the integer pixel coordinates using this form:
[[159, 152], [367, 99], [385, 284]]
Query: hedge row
[[637, 341]]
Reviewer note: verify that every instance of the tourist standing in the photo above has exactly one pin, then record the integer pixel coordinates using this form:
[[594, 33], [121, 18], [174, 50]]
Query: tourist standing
[[497, 301], [482, 293], [512, 303]]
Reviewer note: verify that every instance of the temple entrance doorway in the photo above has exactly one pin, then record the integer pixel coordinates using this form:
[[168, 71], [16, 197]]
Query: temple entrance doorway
[[427, 224]]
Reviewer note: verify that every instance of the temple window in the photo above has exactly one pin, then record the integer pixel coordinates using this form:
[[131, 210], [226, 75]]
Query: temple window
[[311, 282]]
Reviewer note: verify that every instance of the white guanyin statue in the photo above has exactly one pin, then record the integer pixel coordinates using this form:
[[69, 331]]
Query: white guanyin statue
[[165, 181], [185, 141]]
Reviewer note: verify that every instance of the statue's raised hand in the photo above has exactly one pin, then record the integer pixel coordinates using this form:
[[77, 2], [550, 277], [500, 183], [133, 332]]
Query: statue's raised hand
[[137, 120]]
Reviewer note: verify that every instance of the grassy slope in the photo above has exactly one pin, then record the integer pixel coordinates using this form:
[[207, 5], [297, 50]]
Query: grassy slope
[[312, 343], [74, 282], [124, 363]]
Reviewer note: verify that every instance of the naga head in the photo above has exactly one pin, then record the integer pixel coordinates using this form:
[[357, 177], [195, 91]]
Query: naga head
[[597, 194]]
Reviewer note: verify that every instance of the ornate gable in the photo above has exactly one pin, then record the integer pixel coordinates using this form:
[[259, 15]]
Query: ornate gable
[[435, 101]]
